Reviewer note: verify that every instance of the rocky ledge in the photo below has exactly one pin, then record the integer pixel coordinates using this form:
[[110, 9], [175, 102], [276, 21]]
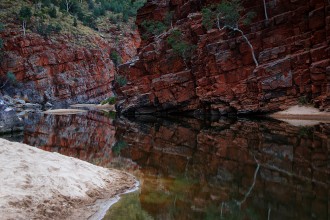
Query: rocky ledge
[[12, 110]]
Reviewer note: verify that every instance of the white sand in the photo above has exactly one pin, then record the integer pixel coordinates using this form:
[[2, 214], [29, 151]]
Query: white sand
[[36, 184], [64, 111], [302, 116], [95, 106], [301, 110]]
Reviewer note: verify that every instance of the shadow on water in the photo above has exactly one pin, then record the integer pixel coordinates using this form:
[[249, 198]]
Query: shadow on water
[[234, 168]]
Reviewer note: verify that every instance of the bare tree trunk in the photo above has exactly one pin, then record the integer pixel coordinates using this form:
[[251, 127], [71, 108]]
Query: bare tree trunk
[[24, 27], [218, 22], [67, 5], [250, 45], [265, 9], [5, 83], [184, 61]]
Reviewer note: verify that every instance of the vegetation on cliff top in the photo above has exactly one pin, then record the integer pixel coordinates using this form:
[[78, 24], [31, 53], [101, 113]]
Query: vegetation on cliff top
[[80, 18]]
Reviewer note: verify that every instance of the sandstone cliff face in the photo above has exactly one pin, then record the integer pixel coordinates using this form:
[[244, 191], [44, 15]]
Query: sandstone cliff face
[[292, 48], [59, 70]]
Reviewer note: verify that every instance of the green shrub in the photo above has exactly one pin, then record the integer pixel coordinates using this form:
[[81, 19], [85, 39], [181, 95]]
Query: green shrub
[[115, 57], [125, 17], [180, 47], [99, 11], [25, 13], [90, 4], [89, 21], [208, 18], [118, 147], [52, 12], [153, 27], [110, 101], [46, 3], [110, 114], [121, 80], [303, 100], [46, 30], [11, 77]]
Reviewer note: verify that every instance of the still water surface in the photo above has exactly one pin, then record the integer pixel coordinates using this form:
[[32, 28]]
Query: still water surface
[[193, 169]]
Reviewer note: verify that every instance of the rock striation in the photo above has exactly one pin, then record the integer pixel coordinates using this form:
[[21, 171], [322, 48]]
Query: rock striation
[[60, 69], [292, 48], [54, 70]]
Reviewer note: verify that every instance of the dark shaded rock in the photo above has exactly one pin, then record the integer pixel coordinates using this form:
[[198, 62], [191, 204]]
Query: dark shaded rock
[[9, 121]]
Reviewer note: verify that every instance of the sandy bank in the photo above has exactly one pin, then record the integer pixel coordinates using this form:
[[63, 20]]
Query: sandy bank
[[64, 111], [36, 184], [95, 106], [302, 115]]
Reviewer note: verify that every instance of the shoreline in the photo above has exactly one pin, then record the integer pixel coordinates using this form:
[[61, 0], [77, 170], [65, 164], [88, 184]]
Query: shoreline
[[302, 116], [49, 185], [106, 205]]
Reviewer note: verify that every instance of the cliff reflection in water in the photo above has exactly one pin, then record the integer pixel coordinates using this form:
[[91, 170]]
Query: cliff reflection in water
[[190, 169]]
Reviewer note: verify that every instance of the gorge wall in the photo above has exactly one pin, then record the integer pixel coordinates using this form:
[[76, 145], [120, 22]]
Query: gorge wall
[[292, 48], [63, 68]]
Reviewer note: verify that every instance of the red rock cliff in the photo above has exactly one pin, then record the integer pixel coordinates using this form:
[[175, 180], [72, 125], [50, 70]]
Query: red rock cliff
[[59, 69], [292, 48]]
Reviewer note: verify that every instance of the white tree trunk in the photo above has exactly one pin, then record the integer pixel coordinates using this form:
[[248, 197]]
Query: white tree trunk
[[4, 84], [24, 27], [183, 55], [250, 45], [67, 5], [265, 9]]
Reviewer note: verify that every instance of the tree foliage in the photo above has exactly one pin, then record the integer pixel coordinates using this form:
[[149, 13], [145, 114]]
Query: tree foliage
[[9, 79], [115, 57], [46, 30], [111, 101], [153, 27], [52, 12], [228, 15], [25, 13], [180, 47], [121, 80]]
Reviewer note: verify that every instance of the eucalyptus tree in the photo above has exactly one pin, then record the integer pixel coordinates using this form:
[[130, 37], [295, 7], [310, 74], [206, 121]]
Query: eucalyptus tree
[[227, 15], [25, 16]]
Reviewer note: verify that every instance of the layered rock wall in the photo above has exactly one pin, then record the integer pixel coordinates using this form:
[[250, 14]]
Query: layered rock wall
[[63, 68], [292, 48], [56, 70]]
